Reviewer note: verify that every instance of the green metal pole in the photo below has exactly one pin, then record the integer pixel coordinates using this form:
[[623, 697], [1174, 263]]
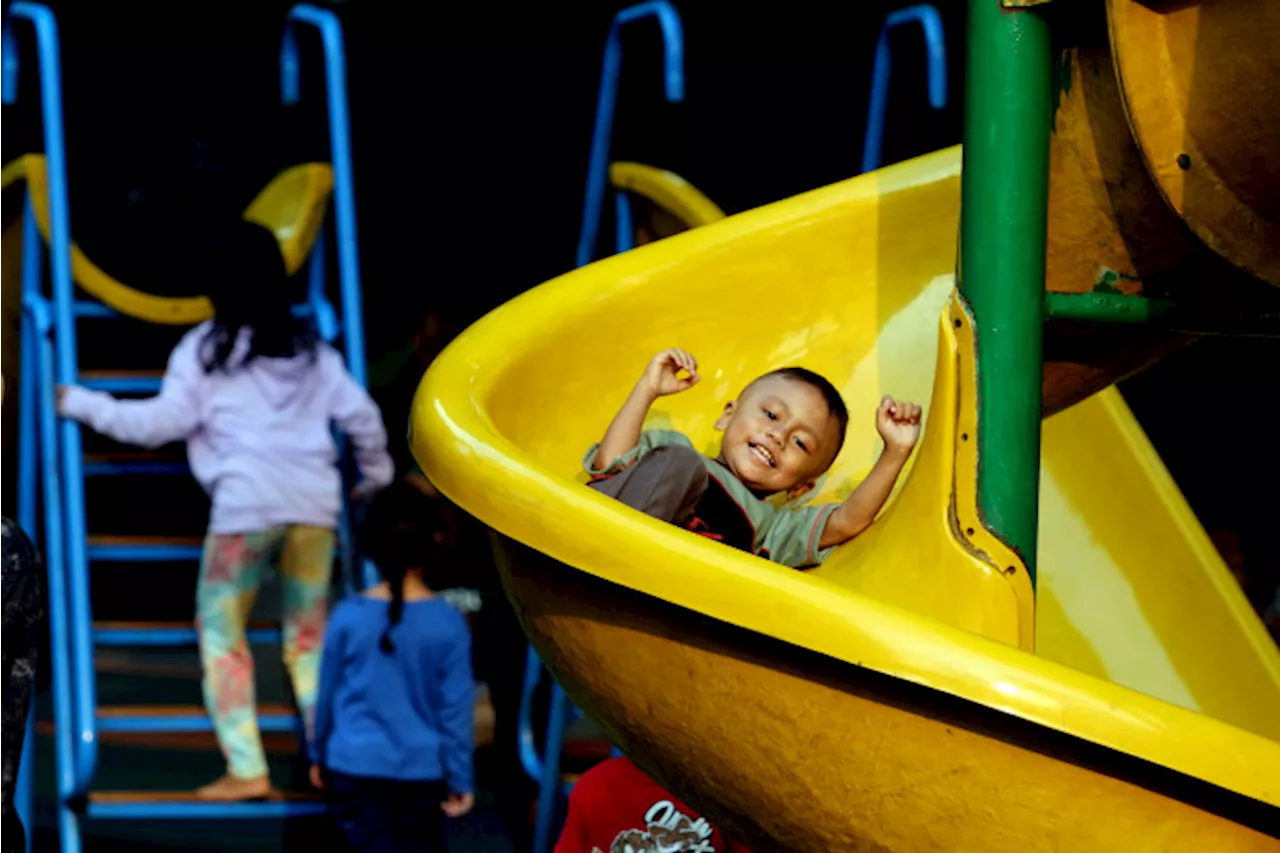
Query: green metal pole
[[1004, 219]]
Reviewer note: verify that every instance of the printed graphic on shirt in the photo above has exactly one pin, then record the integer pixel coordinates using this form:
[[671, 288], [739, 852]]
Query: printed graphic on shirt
[[668, 830]]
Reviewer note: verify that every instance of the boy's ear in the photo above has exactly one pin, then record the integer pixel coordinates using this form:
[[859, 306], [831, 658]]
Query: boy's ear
[[800, 489], [722, 422]]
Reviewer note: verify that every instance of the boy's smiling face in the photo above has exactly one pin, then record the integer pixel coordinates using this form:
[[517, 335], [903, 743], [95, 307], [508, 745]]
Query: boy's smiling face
[[779, 436]]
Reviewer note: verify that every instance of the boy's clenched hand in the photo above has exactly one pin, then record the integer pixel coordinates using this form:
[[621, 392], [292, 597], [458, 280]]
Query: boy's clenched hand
[[898, 422], [661, 377]]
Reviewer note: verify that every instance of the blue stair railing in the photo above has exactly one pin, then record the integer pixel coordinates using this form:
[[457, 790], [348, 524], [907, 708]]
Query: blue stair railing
[[936, 56], [606, 101], [53, 469], [545, 769], [54, 360]]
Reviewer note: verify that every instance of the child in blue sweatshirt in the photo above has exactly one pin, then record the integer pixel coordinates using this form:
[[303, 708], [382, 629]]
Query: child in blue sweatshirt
[[394, 720]]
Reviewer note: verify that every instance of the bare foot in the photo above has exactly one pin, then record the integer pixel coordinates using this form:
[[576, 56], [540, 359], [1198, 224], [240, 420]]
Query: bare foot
[[229, 789]]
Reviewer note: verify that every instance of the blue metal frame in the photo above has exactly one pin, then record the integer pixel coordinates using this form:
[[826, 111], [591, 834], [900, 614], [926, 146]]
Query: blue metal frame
[[344, 193], [24, 790], [673, 78], [38, 323], [625, 239], [545, 769], [168, 637], [344, 210], [123, 384], [935, 45], [143, 553], [51, 454], [197, 810], [135, 468], [61, 451], [196, 721]]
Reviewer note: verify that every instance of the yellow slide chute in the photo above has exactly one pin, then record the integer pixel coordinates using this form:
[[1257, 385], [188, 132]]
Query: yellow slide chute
[[292, 207], [898, 697]]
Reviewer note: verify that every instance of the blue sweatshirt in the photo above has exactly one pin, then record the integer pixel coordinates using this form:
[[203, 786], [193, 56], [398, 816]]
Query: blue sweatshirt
[[408, 715]]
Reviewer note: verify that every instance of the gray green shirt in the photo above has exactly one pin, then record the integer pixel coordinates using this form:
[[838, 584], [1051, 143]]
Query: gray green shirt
[[787, 535]]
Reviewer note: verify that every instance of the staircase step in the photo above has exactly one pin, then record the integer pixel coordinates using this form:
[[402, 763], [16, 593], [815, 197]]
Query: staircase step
[[285, 744], [180, 805], [132, 463], [122, 381], [134, 549], [185, 718], [168, 634]]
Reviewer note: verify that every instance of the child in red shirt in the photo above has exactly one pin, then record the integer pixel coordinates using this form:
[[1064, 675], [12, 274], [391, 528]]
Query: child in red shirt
[[616, 808]]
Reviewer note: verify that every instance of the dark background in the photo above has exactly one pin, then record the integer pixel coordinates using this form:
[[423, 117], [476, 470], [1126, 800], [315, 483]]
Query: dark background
[[471, 128]]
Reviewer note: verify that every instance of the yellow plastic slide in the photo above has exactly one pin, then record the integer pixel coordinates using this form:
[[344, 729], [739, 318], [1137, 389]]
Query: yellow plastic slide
[[910, 694], [292, 207]]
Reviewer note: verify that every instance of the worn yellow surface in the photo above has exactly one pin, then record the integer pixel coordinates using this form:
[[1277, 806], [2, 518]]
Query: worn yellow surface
[[292, 207], [1199, 83], [791, 751], [852, 280]]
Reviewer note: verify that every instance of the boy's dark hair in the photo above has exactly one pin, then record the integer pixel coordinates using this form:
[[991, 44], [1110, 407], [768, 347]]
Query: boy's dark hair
[[400, 533], [835, 403], [247, 281]]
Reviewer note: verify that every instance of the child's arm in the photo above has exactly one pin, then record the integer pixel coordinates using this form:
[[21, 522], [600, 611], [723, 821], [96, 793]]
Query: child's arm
[[360, 419], [171, 415], [899, 426], [659, 380], [457, 720]]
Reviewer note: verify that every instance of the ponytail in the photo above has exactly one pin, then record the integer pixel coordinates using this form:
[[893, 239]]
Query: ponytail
[[398, 538], [395, 609]]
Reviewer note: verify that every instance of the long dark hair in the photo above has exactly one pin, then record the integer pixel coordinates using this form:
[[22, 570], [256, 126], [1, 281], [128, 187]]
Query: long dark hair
[[401, 535], [246, 278]]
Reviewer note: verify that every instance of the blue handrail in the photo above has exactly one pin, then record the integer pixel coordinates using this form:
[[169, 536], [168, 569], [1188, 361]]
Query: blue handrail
[[344, 195], [673, 78], [24, 791], [62, 371], [935, 45], [37, 322], [344, 209]]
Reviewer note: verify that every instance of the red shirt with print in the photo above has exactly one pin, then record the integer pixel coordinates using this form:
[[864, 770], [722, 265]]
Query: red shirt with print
[[617, 808]]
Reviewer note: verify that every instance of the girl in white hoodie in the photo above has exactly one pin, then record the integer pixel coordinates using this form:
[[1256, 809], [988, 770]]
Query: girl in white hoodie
[[253, 393]]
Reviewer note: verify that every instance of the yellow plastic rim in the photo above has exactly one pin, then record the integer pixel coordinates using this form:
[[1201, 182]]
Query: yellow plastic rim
[[292, 207]]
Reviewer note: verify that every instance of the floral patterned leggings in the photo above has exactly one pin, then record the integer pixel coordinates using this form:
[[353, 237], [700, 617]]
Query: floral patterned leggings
[[230, 574]]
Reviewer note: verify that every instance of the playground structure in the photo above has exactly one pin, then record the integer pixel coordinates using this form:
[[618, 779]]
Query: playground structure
[[53, 467], [1036, 647]]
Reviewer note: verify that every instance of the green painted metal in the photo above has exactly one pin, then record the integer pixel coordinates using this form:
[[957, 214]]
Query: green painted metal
[[1195, 319], [1004, 221], [1104, 308]]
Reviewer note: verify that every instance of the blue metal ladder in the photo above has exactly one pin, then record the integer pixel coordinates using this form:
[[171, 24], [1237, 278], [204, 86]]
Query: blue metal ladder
[[936, 58], [545, 769], [53, 468]]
